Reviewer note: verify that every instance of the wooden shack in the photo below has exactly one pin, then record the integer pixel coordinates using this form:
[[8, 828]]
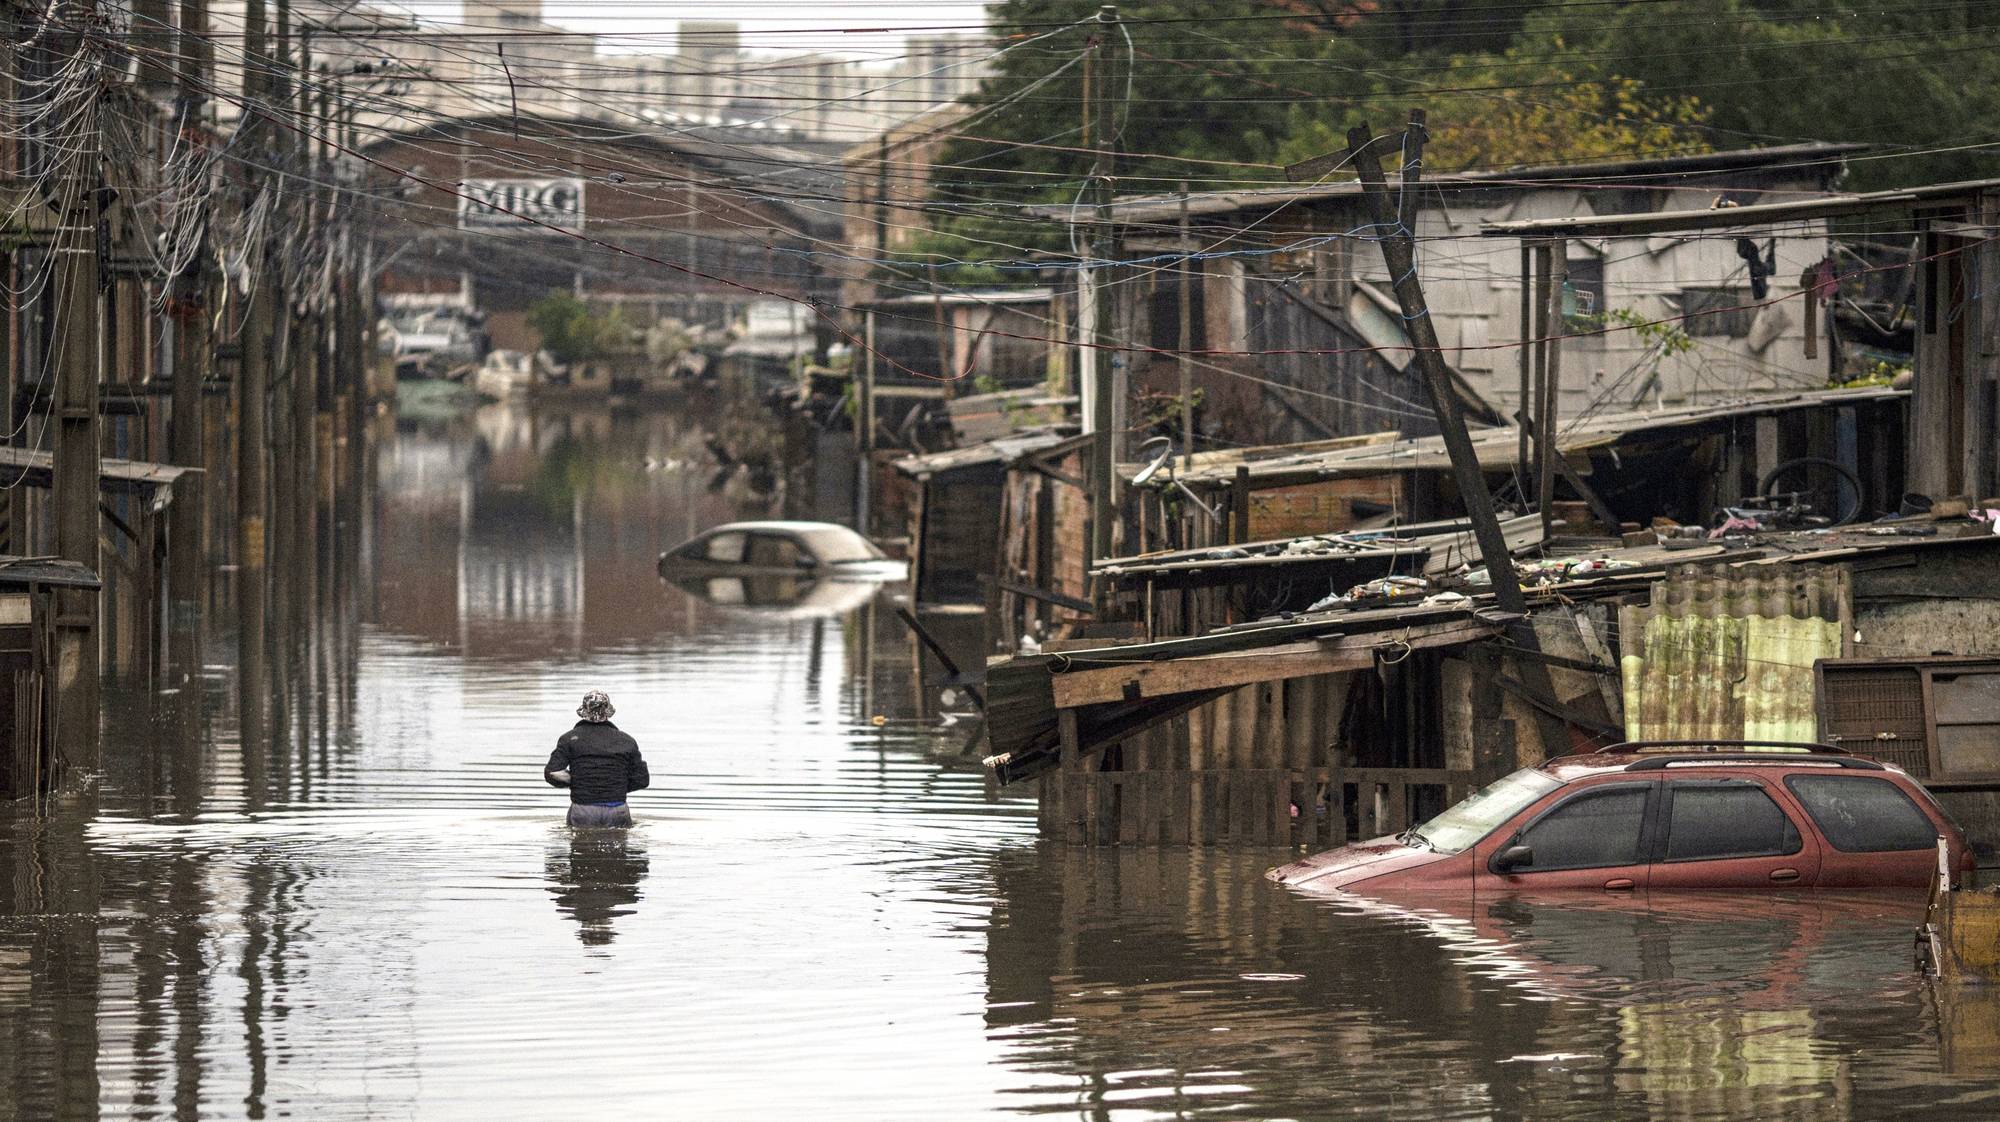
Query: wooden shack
[[1949, 446], [1296, 335], [955, 516], [27, 679]]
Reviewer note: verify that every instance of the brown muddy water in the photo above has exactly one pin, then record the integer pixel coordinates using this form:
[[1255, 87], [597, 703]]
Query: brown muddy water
[[817, 916]]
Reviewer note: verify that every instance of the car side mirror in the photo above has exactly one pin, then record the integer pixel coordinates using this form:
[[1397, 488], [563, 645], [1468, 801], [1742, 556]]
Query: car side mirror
[[1513, 857], [807, 563]]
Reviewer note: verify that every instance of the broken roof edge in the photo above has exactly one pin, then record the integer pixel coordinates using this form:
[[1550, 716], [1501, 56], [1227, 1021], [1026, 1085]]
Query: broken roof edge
[[1498, 447], [1727, 218], [997, 452], [1147, 208]]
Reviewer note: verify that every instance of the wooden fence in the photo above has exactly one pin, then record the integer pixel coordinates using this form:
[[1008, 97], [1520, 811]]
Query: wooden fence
[[1261, 766], [1316, 809]]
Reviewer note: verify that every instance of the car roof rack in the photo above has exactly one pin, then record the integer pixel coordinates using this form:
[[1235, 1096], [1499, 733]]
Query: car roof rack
[[1662, 761], [1662, 753], [1696, 747]]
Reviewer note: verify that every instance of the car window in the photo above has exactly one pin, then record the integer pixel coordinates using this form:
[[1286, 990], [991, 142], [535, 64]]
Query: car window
[[1862, 814], [1479, 814], [773, 550], [1596, 829], [727, 548], [836, 544], [1709, 821]]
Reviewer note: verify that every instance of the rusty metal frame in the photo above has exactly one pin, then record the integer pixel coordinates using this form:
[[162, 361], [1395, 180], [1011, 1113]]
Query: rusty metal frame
[[1925, 667]]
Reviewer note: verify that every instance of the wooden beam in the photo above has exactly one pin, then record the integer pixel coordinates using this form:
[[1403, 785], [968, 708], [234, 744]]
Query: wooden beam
[[1239, 506], [1307, 419], [1096, 733], [1556, 708], [1034, 464], [937, 651], [1060, 600], [1133, 681], [1597, 505]]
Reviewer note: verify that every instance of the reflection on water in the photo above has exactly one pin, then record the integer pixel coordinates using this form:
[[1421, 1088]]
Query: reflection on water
[[379, 914], [597, 881]]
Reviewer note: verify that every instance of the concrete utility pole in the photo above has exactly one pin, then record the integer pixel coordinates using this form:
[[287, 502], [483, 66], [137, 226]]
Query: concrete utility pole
[[253, 385], [1395, 222], [79, 292], [1100, 402], [187, 435]]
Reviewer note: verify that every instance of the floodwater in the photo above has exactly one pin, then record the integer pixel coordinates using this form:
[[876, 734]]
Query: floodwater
[[819, 915]]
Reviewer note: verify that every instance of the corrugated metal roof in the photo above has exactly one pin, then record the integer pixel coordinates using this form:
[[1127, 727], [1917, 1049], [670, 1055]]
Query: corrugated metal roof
[[35, 468], [1498, 448], [1416, 541], [51, 572]]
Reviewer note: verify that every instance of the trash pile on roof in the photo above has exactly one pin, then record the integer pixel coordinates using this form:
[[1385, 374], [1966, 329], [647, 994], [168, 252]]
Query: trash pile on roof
[[1544, 571]]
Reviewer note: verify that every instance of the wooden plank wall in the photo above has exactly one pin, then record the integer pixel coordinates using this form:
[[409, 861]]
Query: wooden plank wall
[[1262, 766], [1042, 543]]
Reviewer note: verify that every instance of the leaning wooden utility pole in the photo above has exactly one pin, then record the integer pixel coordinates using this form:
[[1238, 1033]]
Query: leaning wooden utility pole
[[1094, 365], [76, 144], [1395, 225]]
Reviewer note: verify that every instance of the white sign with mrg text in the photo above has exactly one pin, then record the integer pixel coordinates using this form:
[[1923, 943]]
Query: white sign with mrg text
[[521, 204]]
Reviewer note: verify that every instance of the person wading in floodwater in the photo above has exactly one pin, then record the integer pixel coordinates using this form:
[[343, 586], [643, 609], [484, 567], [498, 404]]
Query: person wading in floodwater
[[599, 764]]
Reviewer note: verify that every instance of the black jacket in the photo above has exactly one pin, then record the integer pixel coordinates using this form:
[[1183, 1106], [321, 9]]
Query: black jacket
[[603, 763]]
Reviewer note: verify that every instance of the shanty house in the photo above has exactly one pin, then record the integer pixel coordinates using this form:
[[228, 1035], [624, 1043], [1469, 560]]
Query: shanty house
[[1295, 334]]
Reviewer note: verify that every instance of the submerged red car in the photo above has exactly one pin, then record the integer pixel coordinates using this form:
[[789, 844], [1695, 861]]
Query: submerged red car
[[1672, 815]]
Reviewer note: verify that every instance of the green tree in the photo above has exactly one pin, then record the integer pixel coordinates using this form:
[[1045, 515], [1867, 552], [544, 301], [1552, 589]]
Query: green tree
[[1198, 93], [1489, 119], [571, 332], [1221, 94], [1904, 74]]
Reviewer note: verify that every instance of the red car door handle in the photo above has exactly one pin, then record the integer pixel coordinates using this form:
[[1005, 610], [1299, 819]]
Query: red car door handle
[[1784, 874], [1618, 883]]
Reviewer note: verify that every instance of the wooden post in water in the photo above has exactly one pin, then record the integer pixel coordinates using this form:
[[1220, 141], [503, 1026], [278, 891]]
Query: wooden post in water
[[1100, 402]]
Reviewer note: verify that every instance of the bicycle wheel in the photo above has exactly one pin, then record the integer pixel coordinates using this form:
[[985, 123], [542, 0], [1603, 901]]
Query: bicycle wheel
[[1824, 485]]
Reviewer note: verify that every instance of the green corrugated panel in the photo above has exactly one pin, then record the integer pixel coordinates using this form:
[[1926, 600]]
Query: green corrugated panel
[[1727, 653]]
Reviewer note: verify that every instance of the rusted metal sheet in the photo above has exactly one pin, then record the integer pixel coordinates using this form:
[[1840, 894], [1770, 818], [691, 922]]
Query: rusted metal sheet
[[1729, 653], [1877, 709], [1936, 717]]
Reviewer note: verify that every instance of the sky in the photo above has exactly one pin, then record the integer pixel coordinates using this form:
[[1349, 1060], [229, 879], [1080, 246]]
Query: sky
[[854, 27]]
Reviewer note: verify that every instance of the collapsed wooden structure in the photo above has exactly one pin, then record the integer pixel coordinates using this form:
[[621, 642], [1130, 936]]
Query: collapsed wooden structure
[[1359, 721]]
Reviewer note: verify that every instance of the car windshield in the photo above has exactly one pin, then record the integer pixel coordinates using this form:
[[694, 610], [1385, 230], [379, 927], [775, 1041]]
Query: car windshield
[[835, 545], [1477, 815]]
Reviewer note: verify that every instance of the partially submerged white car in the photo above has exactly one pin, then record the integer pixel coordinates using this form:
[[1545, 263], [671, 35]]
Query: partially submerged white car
[[817, 550]]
